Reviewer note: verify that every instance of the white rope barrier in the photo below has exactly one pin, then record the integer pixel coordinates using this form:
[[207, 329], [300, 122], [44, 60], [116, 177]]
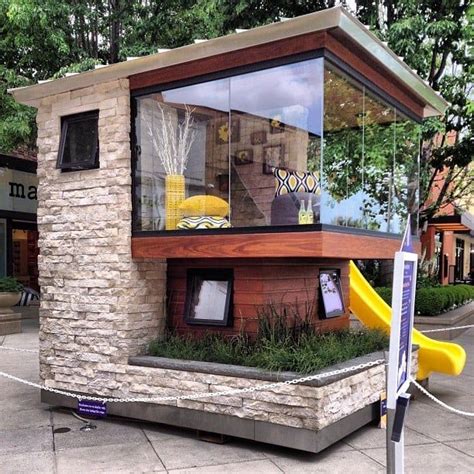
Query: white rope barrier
[[198, 396], [448, 329], [438, 401]]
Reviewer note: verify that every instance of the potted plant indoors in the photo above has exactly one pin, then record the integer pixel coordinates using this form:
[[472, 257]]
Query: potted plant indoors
[[172, 141], [10, 292]]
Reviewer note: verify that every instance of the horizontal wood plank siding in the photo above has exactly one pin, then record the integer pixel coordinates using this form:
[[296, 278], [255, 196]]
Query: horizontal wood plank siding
[[230, 60], [290, 283], [266, 245]]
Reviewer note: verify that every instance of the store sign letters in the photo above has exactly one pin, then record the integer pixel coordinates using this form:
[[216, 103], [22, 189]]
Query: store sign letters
[[18, 191]]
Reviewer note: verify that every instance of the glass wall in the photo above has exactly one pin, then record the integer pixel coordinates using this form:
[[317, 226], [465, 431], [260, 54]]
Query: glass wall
[[292, 145], [370, 159]]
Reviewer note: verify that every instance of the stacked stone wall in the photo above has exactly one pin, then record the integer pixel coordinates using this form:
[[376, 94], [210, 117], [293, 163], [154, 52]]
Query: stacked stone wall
[[98, 306]]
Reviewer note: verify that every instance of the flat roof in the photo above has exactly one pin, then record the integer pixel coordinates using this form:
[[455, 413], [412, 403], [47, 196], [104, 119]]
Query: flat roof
[[331, 18]]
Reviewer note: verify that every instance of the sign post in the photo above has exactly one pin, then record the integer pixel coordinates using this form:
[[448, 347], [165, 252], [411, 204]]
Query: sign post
[[399, 364]]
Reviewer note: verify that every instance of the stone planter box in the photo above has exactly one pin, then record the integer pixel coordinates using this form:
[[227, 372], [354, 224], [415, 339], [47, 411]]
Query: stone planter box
[[309, 417], [10, 322], [458, 317]]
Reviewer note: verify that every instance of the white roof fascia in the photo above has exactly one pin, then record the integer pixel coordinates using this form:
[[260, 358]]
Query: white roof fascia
[[331, 18]]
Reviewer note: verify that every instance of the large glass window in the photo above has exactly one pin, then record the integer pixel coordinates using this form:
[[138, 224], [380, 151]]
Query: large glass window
[[370, 159], [183, 141], [279, 111], [288, 145]]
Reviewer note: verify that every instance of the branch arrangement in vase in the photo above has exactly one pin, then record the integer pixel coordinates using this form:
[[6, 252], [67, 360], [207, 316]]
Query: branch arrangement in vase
[[172, 140]]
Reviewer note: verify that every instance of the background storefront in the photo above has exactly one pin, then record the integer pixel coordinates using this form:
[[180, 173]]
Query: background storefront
[[18, 229]]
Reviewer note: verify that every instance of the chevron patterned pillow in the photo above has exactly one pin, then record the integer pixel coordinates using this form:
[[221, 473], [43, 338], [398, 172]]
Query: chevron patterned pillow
[[203, 222], [295, 182]]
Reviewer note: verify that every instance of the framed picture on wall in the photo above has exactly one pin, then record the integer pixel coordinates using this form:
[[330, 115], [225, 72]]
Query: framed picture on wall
[[223, 182], [272, 158], [330, 294], [276, 125], [223, 133], [258, 138], [243, 157]]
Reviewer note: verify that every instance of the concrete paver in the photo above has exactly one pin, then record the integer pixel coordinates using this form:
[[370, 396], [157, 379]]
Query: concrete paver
[[125, 457], [429, 458], [436, 440], [38, 462]]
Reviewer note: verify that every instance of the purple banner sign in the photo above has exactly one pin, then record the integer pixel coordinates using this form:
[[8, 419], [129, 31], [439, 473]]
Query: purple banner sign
[[405, 322], [91, 408]]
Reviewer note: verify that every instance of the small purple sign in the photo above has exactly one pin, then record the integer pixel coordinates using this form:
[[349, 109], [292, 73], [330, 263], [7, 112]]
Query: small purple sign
[[406, 318], [91, 408]]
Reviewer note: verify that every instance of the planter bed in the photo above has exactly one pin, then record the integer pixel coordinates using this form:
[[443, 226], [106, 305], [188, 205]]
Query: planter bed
[[308, 417], [461, 316]]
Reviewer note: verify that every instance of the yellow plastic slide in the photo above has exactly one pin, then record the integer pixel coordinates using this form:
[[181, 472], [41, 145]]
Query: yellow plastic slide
[[434, 356]]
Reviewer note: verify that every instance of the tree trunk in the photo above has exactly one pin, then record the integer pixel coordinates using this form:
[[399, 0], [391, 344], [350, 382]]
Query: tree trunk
[[114, 10]]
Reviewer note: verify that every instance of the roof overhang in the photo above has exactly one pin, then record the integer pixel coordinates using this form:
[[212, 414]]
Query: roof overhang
[[458, 223], [323, 20]]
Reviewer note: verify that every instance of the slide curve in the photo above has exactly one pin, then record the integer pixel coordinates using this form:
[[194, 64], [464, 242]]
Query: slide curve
[[434, 356]]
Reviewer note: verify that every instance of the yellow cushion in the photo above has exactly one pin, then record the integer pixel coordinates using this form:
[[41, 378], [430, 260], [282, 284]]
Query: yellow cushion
[[202, 205]]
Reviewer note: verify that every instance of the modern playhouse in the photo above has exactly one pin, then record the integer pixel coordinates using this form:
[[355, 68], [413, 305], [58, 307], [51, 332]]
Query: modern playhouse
[[185, 189]]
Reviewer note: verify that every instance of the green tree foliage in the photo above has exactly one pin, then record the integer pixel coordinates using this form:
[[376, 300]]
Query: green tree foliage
[[435, 39], [40, 39]]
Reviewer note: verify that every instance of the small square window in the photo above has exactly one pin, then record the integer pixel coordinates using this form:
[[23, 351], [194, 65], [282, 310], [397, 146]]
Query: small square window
[[79, 145], [208, 297], [331, 294]]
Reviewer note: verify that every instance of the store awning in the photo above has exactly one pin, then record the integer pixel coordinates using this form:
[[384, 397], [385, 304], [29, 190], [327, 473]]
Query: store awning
[[458, 223]]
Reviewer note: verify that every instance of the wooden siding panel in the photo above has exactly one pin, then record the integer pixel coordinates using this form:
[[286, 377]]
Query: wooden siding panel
[[243, 57], [281, 282], [266, 245]]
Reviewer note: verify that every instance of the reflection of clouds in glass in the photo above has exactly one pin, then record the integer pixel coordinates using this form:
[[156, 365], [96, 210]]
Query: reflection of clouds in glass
[[293, 91], [213, 95]]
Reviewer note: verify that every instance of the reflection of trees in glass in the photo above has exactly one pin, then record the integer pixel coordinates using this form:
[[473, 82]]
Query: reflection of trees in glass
[[406, 173], [369, 157], [382, 167]]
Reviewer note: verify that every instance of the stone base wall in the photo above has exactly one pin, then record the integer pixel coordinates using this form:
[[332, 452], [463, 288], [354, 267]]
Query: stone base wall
[[314, 405], [98, 306]]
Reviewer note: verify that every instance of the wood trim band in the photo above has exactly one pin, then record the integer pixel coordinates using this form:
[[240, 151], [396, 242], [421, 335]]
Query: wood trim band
[[266, 245], [366, 66], [330, 40], [243, 57]]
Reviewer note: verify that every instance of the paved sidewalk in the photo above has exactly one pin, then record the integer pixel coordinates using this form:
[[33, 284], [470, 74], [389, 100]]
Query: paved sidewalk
[[436, 441]]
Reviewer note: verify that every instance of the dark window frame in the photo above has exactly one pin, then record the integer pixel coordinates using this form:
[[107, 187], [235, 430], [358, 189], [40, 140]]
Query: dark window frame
[[195, 274], [93, 161], [322, 310], [323, 53]]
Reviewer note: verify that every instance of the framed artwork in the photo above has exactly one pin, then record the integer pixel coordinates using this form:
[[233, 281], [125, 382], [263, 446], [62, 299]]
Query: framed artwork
[[258, 138], [223, 183], [276, 125], [222, 131], [331, 293], [209, 297], [243, 157], [272, 158]]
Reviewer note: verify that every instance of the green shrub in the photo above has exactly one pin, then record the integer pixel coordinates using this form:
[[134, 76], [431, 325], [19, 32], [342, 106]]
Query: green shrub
[[10, 285], [304, 352], [433, 301], [385, 293], [429, 302]]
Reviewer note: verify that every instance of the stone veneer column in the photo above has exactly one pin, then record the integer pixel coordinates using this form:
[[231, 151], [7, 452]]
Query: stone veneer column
[[98, 306]]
